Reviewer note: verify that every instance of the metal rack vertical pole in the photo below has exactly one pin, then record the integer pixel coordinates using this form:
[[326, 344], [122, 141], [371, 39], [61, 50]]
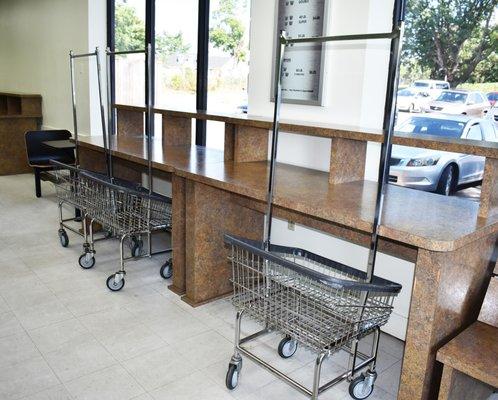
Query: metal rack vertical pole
[[72, 57]]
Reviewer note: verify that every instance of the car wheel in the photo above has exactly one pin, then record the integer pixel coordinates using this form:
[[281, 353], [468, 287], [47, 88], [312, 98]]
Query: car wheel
[[447, 182]]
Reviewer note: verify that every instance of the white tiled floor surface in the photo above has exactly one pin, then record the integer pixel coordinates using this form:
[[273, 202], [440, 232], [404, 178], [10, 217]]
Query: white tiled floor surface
[[64, 335]]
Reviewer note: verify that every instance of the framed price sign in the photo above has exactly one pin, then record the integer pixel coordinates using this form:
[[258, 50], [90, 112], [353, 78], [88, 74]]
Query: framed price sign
[[303, 63]]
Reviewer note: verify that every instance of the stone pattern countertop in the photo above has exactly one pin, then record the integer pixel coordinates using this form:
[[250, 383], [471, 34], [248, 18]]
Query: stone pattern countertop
[[473, 352], [312, 128], [417, 218]]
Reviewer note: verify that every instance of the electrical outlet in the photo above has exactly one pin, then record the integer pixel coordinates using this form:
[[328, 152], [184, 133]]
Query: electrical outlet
[[291, 225]]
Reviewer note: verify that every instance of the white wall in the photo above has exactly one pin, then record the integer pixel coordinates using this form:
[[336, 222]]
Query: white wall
[[355, 77], [35, 39]]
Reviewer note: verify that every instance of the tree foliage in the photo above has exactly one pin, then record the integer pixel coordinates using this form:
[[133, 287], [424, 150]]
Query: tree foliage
[[129, 29], [130, 34], [228, 32], [167, 45], [452, 39]]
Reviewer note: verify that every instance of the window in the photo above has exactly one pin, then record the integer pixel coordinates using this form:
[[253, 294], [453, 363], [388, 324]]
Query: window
[[488, 130], [228, 63], [421, 84], [453, 97], [176, 53], [432, 126], [129, 34], [474, 132], [480, 98], [228, 55], [180, 68]]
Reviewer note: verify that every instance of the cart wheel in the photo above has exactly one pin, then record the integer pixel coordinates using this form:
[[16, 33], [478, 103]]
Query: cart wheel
[[113, 285], [63, 238], [86, 261], [136, 248], [232, 378], [287, 347], [166, 270], [360, 387]]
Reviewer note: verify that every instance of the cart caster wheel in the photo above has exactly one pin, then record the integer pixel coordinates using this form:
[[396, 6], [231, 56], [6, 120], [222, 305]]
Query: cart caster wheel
[[113, 285], [362, 387], [287, 347], [232, 378], [136, 249], [63, 238], [166, 270], [86, 261]]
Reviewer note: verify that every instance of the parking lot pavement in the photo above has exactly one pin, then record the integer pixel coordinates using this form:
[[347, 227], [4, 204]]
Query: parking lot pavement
[[471, 193]]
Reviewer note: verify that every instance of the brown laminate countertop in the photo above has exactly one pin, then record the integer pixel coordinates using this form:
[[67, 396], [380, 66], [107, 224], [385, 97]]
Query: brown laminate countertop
[[321, 129], [417, 218], [473, 352]]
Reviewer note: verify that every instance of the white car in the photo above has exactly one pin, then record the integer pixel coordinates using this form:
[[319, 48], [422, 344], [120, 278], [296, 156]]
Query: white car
[[412, 100], [431, 86], [439, 171]]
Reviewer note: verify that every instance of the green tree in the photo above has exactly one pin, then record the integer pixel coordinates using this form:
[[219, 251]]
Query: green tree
[[167, 45], [450, 38], [130, 34], [129, 29], [228, 32]]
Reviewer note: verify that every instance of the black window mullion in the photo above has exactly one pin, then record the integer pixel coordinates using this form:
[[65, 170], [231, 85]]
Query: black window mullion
[[111, 44], [202, 69]]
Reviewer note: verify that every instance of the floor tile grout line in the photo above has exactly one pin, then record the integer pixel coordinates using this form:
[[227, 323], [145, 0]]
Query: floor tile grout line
[[42, 356]]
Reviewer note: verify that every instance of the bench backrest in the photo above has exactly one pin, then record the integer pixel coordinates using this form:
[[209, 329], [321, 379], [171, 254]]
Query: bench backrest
[[40, 154]]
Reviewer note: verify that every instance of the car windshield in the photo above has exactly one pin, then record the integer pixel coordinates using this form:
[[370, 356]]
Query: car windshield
[[432, 126], [421, 84], [406, 93], [453, 97]]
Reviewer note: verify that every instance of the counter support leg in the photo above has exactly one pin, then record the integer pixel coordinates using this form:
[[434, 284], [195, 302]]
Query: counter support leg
[[210, 213], [178, 235], [447, 294]]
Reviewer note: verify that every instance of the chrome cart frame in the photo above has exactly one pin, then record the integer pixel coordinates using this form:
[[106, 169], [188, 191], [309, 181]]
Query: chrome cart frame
[[316, 302], [63, 226]]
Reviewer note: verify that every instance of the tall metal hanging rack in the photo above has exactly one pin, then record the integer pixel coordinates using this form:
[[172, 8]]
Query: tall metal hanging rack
[[268, 260], [388, 123]]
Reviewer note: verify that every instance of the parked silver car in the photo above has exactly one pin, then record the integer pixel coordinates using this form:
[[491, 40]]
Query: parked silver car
[[434, 170]]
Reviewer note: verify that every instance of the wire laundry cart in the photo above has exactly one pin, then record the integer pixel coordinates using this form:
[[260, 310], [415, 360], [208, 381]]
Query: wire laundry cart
[[124, 209], [313, 301]]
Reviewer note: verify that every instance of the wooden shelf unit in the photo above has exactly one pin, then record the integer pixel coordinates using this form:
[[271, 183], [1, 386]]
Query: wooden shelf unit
[[19, 113]]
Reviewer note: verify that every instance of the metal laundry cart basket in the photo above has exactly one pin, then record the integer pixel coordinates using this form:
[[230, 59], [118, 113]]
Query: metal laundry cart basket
[[313, 301], [123, 211]]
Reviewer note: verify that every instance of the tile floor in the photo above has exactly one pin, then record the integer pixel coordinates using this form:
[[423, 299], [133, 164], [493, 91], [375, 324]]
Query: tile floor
[[64, 335]]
